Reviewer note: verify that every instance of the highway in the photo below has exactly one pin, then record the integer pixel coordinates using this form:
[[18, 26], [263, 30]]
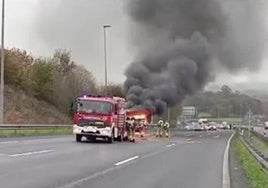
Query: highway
[[187, 160]]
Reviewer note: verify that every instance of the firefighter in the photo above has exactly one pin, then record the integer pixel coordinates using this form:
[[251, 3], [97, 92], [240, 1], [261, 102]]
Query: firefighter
[[166, 127], [159, 130], [132, 127], [127, 128], [141, 128]]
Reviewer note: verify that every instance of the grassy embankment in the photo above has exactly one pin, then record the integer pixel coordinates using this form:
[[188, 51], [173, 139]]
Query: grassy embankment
[[255, 173]]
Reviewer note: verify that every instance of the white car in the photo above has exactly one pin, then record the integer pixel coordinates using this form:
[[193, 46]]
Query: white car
[[189, 127]]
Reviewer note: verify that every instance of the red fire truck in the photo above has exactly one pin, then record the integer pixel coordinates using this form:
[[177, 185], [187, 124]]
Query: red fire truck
[[99, 117]]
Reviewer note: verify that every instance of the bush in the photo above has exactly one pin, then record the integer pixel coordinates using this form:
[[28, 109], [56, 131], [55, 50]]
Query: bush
[[42, 76], [57, 80]]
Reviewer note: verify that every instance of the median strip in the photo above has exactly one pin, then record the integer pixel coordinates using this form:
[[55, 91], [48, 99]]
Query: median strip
[[31, 153], [126, 161]]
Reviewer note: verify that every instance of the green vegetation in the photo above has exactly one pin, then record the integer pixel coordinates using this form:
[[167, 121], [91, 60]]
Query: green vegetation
[[260, 144], [224, 103], [257, 176], [35, 132], [55, 81]]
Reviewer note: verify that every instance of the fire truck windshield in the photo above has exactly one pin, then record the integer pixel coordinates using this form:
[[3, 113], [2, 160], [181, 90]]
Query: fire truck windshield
[[98, 107]]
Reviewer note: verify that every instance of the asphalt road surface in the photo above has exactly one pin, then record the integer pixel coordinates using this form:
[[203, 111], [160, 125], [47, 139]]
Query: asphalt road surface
[[188, 160]]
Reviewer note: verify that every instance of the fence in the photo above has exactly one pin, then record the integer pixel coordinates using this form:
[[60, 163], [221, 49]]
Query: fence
[[257, 149], [7, 130]]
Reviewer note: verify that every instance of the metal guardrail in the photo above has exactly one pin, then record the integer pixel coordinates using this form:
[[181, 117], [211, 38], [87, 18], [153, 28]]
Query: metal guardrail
[[260, 159], [259, 135], [32, 126]]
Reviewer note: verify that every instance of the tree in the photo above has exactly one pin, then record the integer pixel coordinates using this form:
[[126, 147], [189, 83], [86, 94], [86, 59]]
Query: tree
[[77, 81], [17, 67], [112, 90], [42, 76], [63, 62], [226, 90], [81, 81], [224, 103]]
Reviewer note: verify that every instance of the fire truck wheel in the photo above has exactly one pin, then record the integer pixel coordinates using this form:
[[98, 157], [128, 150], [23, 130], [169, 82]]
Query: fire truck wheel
[[111, 139], [92, 139], [78, 138], [120, 138]]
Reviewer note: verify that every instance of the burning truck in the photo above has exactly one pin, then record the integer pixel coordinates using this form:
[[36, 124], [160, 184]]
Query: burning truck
[[140, 115]]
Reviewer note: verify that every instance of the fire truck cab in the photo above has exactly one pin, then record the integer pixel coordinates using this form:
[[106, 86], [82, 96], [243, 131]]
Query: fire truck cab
[[99, 117]]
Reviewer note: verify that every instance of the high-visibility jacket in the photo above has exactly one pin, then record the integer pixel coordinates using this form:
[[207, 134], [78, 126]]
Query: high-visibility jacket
[[166, 125], [160, 123]]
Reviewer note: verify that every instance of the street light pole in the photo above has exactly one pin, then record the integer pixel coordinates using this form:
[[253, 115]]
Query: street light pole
[[249, 124], [105, 54], [168, 114], [2, 65]]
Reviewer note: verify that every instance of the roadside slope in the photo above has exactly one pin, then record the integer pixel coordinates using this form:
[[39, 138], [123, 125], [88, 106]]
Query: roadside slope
[[22, 108]]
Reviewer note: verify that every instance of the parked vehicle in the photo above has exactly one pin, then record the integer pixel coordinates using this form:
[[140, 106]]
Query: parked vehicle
[[265, 131], [99, 117]]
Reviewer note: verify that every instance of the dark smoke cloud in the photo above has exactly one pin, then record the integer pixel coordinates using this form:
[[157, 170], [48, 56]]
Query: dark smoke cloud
[[183, 43]]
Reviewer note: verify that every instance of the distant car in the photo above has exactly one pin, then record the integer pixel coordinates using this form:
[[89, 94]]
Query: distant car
[[199, 127], [212, 126], [224, 125], [189, 127]]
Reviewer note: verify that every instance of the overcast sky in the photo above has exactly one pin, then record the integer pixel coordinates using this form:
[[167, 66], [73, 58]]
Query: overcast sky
[[41, 26]]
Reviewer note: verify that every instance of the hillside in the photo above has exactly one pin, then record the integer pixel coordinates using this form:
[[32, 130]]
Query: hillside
[[41, 89], [22, 108], [225, 103]]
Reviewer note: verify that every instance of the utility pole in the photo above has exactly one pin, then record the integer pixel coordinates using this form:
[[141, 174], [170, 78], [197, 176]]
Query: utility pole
[[2, 65], [168, 114], [240, 115], [249, 123], [105, 54]]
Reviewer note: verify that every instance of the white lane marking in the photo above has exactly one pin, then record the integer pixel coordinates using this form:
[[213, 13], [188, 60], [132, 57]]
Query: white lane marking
[[10, 142], [188, 135], [189, 139], [31, 153], [225, 166], [217, 136], [170, 145], [108, 170], [127, 160]]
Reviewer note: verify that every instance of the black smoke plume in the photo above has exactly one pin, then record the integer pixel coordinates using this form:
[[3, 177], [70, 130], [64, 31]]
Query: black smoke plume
[[183, 44]]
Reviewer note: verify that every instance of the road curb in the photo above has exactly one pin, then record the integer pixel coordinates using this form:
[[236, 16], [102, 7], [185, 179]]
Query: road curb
[[225, 167]]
